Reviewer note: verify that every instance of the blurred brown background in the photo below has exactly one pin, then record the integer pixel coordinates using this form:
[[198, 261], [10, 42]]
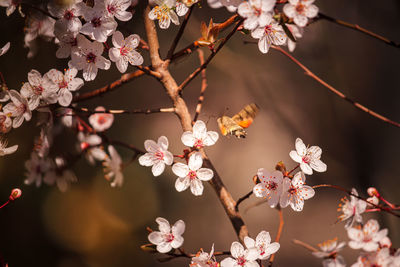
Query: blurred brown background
[[94, 225]]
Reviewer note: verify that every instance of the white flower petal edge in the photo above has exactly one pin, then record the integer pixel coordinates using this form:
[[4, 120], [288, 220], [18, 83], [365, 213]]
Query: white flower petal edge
[[168, 237]]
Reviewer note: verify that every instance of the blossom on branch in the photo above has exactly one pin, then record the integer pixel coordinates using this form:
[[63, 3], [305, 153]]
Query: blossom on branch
[[368, 237], [124, 51], [68, 16], [272, 33], [17, 108], [258, 13], [157, 155], [308, 157], [295, 191], [168, 237], [117, 8], [352, 209], [4, 150], [262, 244], [380, 258], [270, 186], [164, 13], [60, 175], [113, 167], [204, 259], [101, 121], [36, 168], [300, 11], [200, 137], [241, 257], [328, 252]]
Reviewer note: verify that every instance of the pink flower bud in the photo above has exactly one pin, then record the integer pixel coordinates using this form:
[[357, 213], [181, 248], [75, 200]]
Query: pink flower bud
[[372, 191], [373, 200], [15, 193]]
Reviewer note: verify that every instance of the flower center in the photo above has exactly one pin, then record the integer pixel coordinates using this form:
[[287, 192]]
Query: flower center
[[63, 84], [169, 237], [68, 15], [192, 175], [161, 12], [257, 11], [90, 58], [101, 119], [124, 50], [306, 159], [96, 22], [241, 261], [293, 190], [300, 8], [159, 155], [199, 143], [38, 90], [271, 185]]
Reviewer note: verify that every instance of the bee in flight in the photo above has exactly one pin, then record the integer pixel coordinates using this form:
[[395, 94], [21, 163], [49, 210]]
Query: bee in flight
[[236, 125]]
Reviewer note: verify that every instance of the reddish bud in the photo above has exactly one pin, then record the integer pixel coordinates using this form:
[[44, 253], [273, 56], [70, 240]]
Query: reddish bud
[[372, 191], [15, 193], [373, 200]]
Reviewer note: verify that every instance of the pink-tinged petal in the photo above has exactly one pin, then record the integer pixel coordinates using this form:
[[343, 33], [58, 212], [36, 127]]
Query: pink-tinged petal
[[178, 228], [151, 146], [181, 184], [297, 203], [114, 54], [205, 174], [89, 72], [355, 234], [245, 10], [34, 78], [306, 168], [251, 23], [4, 49], [196, 187], [93, 140], [75, 84], [274, 199], [211, 138], [249, 242], [103, 63], [252, 254], [263, 238], [174, 18], [153, 14], [164, 247], [306, 192], [177, 242], [316, 152], [356, 244], [300, 20], [195, 161], [10, 150], [294, 2], [135, 58], [265, 19], [228, 262], [122, 64], [168, 158], [370, 246], [180, 169], [258, 33], [17, 122], [132, 40], [237, 249], [380, 235], [158, 168], [318, 165], [298, 179], [251, 264], [123, 15], [118, 39], [163, 225], [98, 153], [156, 238], [64, 97], [163, 142], [146, 160], [291, 45], [164, 23], [188, 139], [371, 227], [264, 44], [311, 11], [259, 190], [199, 129], [300, 147], [272, 248], [289, 10]]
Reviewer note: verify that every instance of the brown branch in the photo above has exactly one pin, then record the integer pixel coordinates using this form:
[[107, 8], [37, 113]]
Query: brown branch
[[180, 33], [305, 245], [240, 200], [337, 92], [121, 111], [203, 86], [183, 114], [357, 28], [278, 235], [212, 55]]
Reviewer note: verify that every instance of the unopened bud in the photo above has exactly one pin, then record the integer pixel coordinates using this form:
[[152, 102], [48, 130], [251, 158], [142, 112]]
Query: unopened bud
[[15, 193], [372, 191], [256, 180], [374, 200], [280, 166]]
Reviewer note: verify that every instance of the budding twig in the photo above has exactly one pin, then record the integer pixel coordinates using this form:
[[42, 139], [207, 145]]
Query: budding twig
[[304, 245]]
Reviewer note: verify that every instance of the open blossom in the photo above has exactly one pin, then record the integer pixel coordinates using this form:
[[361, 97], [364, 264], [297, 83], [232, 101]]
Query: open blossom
[[204, 259], [352, 209], [117, 8], [241, 257], [200, 137], [60, 176], [124, 51], [68, 16], [66, 83], [17, 108], [181, 8], [192, 175], [87, 57], [4, 150], [113, 167], [308, 157], [39, 88], [168, 237], [263, 245], [295, 191], [164, 13], [90, 144], [36, 168], [300, 11], [328, 252], [270, 186], [258, 13], [101, 121], [157, 155], [5, 123], [38, 25], [368, 237], [381, 258], [98, 24], [269, 34], [67, 41]]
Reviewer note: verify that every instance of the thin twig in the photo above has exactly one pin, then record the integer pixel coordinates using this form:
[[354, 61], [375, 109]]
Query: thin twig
[[240, 200], [337, 92], [203, 86], [358, 28], [278, 235], [180, 33], [149, 72], [121, 111], [212, 55], [305, 245]]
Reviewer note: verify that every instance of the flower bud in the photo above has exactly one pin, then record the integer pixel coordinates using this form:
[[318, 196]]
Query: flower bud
[[15, 193], [373, 200], [372, 191]]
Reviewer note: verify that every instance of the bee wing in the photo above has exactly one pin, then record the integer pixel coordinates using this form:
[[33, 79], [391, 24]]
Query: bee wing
[[246, 116]]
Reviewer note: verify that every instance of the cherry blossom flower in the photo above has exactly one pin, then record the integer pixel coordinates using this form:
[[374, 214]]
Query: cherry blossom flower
[[368, 237], [90, 144], [164, 13], [270, 186], [308, 157], [329, 252], [300, 11], [168, 237], [200, 137], [98, 25], [66, 83], [192, 175], [19, 109], [36, 168], [5, 49], [241, 257], [101, 121], [263, 245], [67, 42], [113, 167], [124, 51], [189, 3], [39, 88], [294, 192], [297, 33], [379, 258], [270, 34], [258, 13], [10, 4], [68, 16], [38, 25], [4, 150], [352, 209], [117, 8], [204, 259], [60, 176], [157, 155], [87, 57], [181, 8], [5, 123]]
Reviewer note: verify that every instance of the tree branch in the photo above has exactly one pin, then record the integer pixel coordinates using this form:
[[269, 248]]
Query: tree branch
[[121, 111], [278, 235], [203, 86]]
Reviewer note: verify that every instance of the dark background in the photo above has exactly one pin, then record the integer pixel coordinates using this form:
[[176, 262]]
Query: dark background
[[94, 225]]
